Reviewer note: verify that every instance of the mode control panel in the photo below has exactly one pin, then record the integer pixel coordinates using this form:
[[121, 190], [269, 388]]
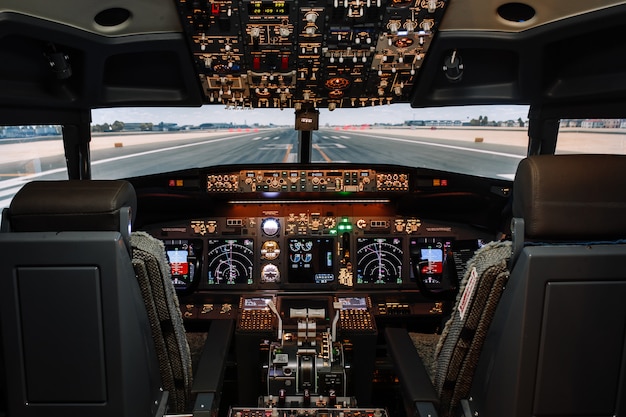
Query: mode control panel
[[307, 180], [322, 411]]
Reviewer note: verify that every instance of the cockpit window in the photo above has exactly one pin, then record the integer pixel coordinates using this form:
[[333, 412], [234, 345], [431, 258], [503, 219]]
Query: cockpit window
[[487, 141], [28, 153], [598, 136]]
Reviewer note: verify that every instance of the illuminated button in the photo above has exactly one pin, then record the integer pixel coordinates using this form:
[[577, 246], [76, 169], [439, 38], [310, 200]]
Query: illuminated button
[[284, 63], [256, 62], [215, 9]]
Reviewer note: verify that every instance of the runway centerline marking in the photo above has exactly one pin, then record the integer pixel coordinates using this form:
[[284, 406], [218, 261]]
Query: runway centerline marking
[[317, 148], [287, 153]]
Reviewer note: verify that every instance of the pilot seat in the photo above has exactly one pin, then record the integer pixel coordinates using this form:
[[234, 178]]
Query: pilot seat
[[556, 344], [76, 335]]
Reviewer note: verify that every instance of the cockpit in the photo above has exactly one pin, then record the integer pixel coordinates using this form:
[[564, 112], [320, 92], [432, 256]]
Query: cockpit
[[312, 208]]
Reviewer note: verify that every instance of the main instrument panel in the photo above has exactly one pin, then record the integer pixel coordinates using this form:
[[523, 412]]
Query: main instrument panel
[[321, 246], [311, 53], [317, 228], [311, 261]]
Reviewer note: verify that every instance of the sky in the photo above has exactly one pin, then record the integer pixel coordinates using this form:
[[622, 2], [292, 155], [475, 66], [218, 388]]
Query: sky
[[393, 114]]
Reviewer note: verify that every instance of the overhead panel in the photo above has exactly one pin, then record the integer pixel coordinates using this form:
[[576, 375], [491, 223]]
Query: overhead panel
[[321, 53]]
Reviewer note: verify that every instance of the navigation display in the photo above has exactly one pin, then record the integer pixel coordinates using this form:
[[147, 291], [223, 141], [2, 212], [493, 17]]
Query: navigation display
[[230, 261], [379, 260], [184, 259], [311, 261]]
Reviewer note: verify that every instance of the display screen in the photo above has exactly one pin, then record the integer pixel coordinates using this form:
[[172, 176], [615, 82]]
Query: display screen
[[428, 258], [183, 257], [178, 262], [379, 260], [353, 303], [230, 261], [268, 8], [256, 303], [433, 258], [311, 260]]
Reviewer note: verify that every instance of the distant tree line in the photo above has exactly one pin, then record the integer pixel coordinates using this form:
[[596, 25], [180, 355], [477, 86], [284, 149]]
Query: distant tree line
[[484, 121], [118, 126]]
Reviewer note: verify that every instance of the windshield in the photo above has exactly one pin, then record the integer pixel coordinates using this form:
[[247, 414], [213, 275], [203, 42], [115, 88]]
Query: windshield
[[487, 141]]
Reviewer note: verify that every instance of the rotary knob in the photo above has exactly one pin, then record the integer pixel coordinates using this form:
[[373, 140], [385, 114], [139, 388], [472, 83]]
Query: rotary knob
[[284, 31], [310, 17]]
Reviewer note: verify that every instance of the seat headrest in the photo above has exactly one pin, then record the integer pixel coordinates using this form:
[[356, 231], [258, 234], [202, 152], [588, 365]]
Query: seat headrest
[[74, 205], [571, 197]]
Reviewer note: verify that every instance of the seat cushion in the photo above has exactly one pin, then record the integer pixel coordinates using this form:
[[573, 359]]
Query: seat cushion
[[459, 347], [153, 274]]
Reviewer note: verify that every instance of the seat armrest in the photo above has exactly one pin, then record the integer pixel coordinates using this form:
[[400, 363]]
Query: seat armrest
[[416, 386], [210, 371]]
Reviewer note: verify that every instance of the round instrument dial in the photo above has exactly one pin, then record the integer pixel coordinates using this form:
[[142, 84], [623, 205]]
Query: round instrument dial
[[403, 42], [270, 226], [270, 250], [337, 83], [270, 273], [263, 93]]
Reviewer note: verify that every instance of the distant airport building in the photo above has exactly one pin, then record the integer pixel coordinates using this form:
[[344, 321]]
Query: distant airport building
[[433, 123], [594, 123], [29, 131]]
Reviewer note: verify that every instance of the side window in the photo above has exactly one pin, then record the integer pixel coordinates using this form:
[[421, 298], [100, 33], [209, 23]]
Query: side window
[[29, 153], [606, 136]]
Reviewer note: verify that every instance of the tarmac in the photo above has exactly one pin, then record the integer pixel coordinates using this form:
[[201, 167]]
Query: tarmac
[[570, 140]]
